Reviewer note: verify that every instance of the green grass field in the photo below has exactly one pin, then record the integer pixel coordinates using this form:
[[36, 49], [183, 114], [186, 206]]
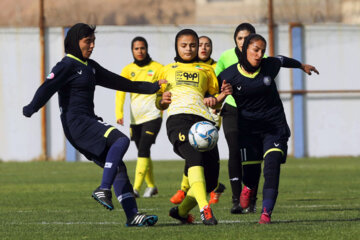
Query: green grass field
[[319, 198]]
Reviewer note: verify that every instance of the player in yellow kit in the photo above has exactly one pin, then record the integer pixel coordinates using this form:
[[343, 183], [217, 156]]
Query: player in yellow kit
[[204, 54], [145, 118], [184, 96]]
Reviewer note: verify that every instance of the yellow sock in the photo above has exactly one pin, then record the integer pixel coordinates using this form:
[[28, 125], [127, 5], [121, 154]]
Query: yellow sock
[[197, 185], [185, 183], [149, 177], [140, 171], [187, 204]]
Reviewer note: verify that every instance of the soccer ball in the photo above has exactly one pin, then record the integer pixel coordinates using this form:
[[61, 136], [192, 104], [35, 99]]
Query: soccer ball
[[203, 136]]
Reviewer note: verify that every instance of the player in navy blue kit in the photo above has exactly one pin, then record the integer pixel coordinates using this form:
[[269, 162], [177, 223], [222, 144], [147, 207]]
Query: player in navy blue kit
[[75, 78], [262, 124]]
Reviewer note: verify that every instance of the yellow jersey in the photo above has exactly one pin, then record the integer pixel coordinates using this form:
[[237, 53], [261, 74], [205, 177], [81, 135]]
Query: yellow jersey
[[142, 107], [188, 84], [212, 63]]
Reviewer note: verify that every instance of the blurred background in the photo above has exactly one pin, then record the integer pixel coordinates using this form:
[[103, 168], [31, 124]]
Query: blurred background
[[21, 13], [322, 111]]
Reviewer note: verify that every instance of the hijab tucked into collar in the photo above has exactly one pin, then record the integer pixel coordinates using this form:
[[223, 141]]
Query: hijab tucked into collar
[[74, 35], [179, 34], [147, 59], [243, 60]]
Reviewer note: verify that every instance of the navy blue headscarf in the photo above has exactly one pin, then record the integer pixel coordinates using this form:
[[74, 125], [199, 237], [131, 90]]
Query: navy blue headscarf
[[74, 35]]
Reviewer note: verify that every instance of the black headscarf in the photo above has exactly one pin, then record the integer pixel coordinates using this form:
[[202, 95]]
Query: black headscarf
[[147, 58], [243, 60], [73, 36], [241, 27], [181, 33], [210, 51]]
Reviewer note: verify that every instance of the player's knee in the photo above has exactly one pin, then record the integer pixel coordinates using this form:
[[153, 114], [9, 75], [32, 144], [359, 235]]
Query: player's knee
[[114, 136], [272, 163]]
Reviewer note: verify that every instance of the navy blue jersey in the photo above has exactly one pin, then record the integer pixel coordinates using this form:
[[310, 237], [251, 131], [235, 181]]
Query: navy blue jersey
[[256, 95], [75, 82]]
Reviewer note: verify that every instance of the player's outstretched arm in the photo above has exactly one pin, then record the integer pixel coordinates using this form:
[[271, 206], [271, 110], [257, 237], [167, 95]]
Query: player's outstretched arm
[[56, 79], [293, 63], [309, 68], [108, 79]]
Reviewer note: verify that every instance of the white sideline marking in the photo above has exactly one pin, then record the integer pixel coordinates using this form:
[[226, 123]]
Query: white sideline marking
[[303, 206], [312, 206], [87, 210], [111, 223]]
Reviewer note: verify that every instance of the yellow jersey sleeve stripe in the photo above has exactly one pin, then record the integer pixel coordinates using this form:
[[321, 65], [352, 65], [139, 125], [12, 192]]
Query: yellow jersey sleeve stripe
[[108, 131], [273, 150]]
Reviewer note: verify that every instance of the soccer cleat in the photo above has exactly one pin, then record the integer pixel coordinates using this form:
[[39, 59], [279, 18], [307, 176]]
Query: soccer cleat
[[150, 191], [215, 195], [245, 197], [265, 217], [174, 213], [141, 219], [136, 193], [103, 197], [207, 216], [252, 206], [236, 208], [178, 197]]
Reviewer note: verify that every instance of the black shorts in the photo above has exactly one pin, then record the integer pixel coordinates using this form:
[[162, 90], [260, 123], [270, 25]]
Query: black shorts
[[178, 126], [177, 129], [255, 147], [149, 129]]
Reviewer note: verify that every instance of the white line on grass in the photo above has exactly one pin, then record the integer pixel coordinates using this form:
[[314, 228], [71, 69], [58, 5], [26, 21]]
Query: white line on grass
[[112, 223]]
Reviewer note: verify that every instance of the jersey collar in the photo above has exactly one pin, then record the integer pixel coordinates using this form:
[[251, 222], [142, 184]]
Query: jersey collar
[[77, 59], [249, 75]]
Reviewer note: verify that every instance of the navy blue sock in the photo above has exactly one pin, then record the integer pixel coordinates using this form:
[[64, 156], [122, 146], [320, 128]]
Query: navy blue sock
[[269, 199], [123, 192], [272, 177], [113, 159]]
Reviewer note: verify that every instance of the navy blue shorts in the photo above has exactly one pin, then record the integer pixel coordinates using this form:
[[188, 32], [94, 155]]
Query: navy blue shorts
[[255, 146], [87, 134]]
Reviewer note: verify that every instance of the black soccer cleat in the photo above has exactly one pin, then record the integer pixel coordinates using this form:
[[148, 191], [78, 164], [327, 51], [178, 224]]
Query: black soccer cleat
[[252, 206], [103, 197], [141, 219], [236, 208], [174, 213]]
